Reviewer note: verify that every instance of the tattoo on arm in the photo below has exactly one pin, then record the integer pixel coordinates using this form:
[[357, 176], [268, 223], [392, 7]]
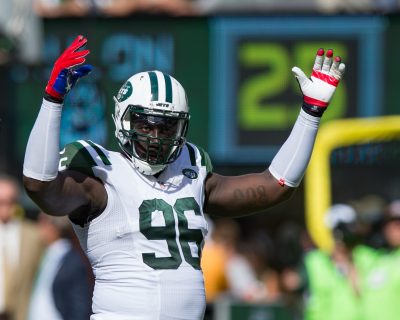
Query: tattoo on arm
[[239, 196], [257, 194]]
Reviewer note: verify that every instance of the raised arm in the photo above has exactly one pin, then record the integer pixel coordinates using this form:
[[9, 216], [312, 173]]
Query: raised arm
[[242, 195], [68, 192]]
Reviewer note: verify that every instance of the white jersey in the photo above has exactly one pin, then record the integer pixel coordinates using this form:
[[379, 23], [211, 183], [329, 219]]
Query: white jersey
[[145, 247]]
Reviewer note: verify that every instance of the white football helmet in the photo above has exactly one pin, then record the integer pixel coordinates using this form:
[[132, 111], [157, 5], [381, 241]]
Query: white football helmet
[[151, 120]]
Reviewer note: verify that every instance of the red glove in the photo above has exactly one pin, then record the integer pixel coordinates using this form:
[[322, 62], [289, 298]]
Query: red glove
[[63, 77], [319, 89]]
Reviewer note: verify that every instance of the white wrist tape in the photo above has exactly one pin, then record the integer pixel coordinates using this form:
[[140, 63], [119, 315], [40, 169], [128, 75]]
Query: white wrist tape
[[290, 163], [42, 151]]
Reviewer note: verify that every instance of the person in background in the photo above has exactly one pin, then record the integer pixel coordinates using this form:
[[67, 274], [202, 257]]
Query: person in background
[[382, 281], [391, 228], [293, 243], [370, 208], [20, 251], [62, 288], [219, 245], [236, 267], [333, 286], [250, 276], [20, 23]]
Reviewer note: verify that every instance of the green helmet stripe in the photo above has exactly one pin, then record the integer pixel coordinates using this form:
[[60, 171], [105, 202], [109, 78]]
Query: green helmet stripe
[[168, 88], [192, 154], [154, 85], [103, 157]]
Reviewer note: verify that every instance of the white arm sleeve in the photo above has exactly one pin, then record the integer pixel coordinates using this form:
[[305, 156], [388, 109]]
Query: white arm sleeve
[[42, 151], [290, 163]]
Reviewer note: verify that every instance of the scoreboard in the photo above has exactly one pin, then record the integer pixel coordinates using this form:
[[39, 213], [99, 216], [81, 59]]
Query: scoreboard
[[255, 96]]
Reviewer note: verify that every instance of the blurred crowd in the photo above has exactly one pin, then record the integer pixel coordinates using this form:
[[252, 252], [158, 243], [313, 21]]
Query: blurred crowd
[[357, 280], [43, 273]]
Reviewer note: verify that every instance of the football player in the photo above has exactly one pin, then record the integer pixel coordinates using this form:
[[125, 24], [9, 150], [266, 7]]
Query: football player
[[139, 212]]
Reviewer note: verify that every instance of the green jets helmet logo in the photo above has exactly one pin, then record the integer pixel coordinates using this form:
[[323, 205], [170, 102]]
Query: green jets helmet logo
[[125, 92], [190, 173]]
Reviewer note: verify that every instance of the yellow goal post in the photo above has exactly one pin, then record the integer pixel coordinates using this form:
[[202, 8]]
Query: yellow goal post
[[332, 135]]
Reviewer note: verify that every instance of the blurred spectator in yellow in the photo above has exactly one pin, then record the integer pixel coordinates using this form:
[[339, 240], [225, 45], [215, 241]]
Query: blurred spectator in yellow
[[62, 288], [382, 282], [20, 251], [219, 245]]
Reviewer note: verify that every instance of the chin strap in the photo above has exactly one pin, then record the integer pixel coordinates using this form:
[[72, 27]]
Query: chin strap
[[145, 168]]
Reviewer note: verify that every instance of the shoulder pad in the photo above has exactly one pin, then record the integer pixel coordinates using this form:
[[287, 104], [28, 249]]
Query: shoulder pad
[[201, 155], [82, 156]]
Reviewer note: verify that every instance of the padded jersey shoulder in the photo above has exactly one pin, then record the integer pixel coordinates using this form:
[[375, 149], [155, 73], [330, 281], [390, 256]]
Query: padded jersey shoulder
[[83, 156], [199, 157]]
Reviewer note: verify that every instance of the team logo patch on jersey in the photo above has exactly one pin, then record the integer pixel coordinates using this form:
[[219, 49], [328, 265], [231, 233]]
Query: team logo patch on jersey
[[125, 92], [190, 173]]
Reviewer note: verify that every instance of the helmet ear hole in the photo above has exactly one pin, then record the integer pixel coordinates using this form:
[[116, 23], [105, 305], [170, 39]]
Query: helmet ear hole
[[151, 120]]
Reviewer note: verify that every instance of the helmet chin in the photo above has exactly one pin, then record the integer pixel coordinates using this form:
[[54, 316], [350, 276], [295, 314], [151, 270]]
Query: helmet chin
[[145, 168]]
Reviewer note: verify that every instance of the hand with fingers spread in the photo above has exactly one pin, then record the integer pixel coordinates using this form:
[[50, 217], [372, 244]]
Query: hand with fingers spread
[[63, 76], [320, 87]]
